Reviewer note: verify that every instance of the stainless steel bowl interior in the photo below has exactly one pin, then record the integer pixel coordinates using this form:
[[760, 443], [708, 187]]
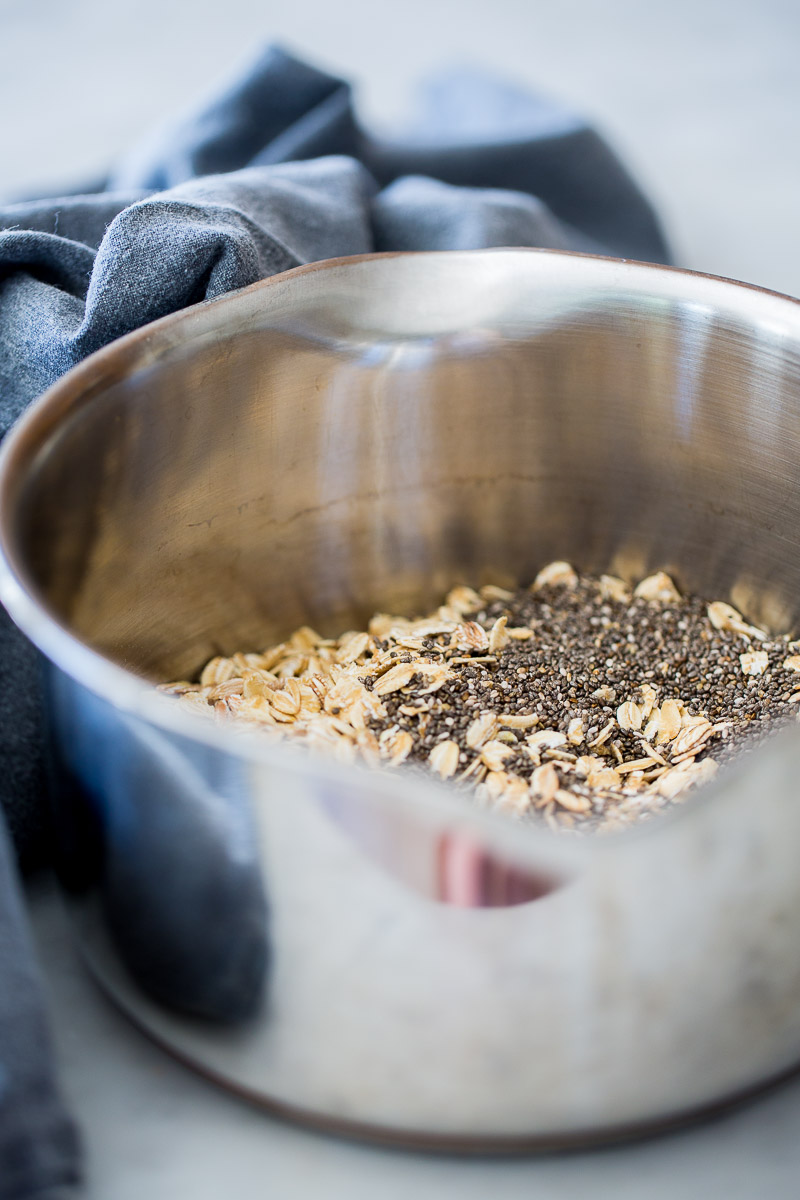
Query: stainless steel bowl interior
[[361, 435]]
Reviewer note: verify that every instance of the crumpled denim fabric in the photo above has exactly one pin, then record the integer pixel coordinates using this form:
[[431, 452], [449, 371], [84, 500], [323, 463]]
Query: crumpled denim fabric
[[39, 1146], [275, 172]]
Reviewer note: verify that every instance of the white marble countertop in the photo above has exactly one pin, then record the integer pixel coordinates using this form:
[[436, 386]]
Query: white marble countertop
[[702, 99]]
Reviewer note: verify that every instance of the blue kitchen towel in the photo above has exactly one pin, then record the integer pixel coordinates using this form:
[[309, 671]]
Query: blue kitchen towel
[[39, 1155], [273, 173]]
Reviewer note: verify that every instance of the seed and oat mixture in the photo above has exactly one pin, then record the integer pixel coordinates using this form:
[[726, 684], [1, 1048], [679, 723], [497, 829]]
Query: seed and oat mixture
[[578, 699]]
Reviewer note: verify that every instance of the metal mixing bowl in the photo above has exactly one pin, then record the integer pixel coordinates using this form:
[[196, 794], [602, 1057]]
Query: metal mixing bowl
[[367, 949]]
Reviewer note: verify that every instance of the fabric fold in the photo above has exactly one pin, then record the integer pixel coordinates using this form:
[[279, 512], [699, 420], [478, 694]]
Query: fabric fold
[[279, 101], [39, 1148]]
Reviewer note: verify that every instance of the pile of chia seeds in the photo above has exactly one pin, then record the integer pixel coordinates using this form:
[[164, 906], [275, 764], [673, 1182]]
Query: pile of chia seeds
[[579, 701]]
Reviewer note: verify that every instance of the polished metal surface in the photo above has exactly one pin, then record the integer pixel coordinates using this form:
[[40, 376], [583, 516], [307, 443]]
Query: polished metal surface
[[365, 949]]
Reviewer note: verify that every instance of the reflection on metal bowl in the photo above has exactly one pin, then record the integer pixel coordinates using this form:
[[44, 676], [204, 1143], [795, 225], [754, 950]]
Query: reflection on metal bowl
[[365, 949]]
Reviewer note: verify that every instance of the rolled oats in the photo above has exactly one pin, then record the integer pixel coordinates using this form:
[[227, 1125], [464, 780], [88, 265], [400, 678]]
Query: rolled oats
[[580, 702], [444, 758]]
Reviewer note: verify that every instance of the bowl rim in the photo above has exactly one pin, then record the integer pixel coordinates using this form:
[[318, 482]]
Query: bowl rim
[[136, 697]]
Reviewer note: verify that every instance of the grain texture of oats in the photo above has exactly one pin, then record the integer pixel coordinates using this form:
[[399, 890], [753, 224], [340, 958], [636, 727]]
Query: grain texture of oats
[[582, 701]]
